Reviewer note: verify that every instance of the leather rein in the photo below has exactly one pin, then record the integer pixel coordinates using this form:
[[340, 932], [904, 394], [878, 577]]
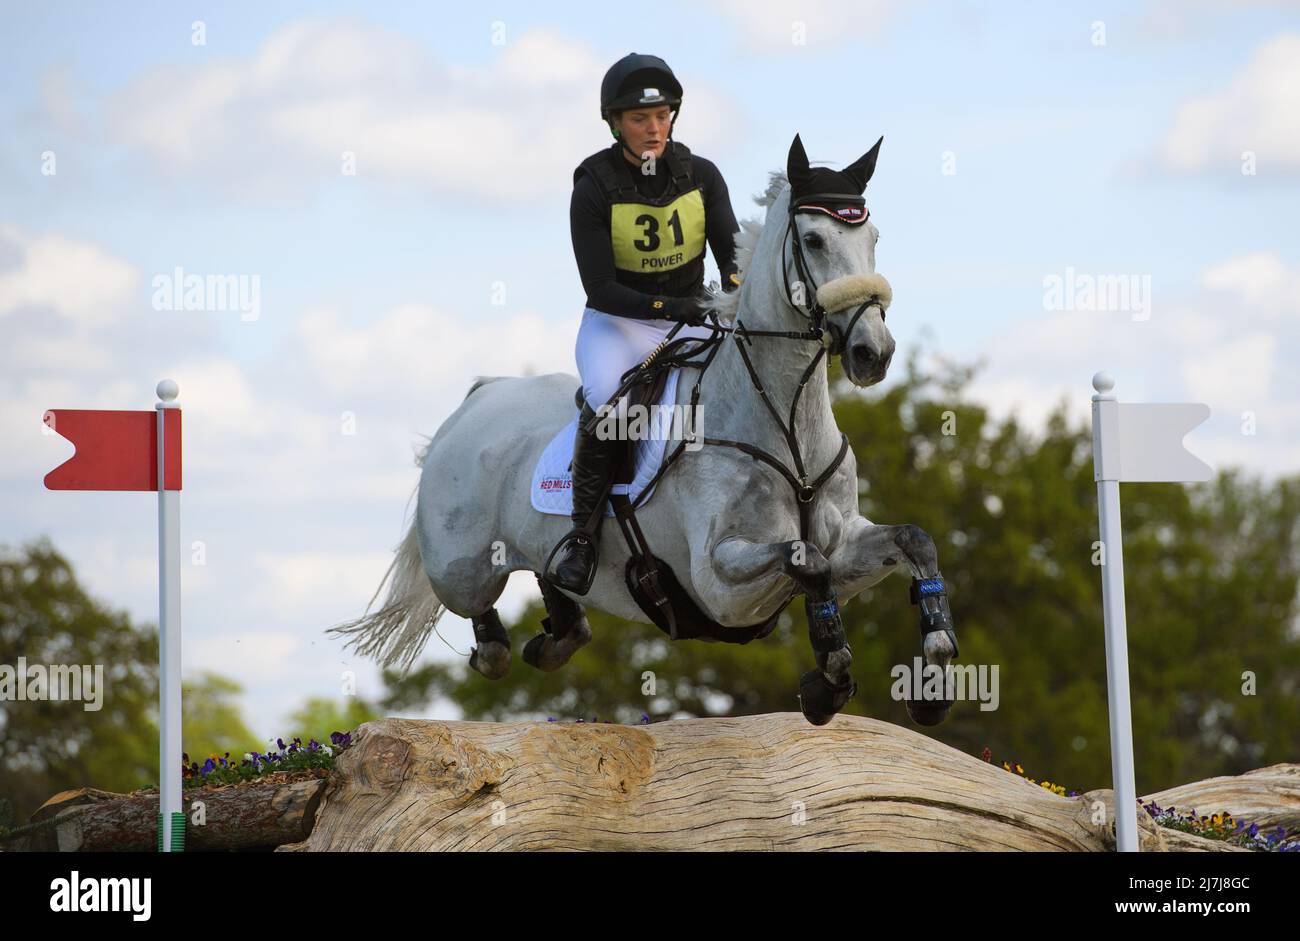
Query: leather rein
[[672, 352]]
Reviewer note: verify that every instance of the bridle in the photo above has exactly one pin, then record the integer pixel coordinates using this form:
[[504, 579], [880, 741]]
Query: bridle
[[672, 352], [821, 327]]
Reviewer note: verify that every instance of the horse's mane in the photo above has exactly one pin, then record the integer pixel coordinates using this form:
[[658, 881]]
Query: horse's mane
[[726, 305]]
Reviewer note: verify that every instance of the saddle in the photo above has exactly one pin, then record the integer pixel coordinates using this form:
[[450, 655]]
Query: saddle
[[650, 580]]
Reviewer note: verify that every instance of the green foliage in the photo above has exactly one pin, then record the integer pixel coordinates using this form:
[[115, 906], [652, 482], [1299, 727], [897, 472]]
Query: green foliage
[[221, 770], [47, 745], [1219, 826], [1222, 826], [318, 715], [1211, 574], [212, 723]]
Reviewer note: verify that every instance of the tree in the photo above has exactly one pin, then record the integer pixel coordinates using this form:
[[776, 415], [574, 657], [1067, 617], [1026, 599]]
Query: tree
[[45, 745], [213, 723], [317, 717], [48, 746]]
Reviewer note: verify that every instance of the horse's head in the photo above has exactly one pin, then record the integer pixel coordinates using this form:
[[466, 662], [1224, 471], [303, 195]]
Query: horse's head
[[829, 261]]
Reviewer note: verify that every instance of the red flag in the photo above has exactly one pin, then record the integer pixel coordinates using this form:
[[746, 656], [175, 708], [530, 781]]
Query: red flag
[[115, 450]]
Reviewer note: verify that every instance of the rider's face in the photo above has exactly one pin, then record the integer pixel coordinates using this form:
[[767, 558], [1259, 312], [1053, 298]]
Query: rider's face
[[646, 129]]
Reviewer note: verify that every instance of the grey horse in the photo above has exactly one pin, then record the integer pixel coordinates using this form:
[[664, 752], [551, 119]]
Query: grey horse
[[727, 524]]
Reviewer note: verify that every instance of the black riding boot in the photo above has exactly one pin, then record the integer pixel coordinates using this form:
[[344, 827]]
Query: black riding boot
[[593, 463]]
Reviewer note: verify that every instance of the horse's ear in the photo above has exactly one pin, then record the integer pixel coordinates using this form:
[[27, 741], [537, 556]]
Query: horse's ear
[[796, 165], [861, 169]]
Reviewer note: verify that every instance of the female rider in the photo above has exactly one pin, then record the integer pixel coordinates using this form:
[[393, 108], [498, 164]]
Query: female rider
[[641, 212]]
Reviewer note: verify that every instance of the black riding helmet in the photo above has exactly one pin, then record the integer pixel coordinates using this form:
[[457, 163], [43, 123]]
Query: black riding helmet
[[639, 81]]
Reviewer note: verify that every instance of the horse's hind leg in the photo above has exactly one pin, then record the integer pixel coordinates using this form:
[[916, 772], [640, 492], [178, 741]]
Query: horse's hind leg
[[491, 656], [564, 630], [470, 586]]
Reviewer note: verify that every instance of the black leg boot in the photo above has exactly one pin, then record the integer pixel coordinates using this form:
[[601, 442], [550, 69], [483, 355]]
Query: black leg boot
[[593, 465]]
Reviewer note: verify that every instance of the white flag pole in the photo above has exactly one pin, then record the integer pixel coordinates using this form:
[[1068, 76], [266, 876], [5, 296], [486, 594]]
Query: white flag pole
[[1105, 462], [171, 818]]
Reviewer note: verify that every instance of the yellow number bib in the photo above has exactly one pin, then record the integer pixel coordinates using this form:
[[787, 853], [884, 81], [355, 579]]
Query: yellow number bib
[[650, 239]]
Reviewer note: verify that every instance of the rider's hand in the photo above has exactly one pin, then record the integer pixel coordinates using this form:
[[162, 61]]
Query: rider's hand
[[688, 310], [731, 282]]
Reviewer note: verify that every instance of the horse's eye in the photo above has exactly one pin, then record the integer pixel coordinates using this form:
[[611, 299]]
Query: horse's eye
[[813, 241]]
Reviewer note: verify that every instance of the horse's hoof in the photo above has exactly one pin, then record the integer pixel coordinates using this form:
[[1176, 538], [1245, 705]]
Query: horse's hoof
[[928, 711], [491, 659], [819, 700], [546, 653], [815, 718], [533, 651]]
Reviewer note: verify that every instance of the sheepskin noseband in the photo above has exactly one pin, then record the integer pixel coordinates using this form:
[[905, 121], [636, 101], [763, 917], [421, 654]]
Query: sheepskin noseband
[[853, 290]]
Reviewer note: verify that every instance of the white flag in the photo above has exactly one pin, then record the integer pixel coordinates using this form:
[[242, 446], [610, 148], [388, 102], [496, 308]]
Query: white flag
[[1144, 442]]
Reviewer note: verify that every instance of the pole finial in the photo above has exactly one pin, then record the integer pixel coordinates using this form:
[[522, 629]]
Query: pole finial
[[168, 390], [1103, 382]]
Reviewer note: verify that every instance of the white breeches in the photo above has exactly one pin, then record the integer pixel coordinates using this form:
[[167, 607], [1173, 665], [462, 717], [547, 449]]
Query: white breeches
[[609, 346]]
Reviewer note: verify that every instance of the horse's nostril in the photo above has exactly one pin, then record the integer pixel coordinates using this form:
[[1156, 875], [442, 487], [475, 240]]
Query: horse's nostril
[[863, 357]]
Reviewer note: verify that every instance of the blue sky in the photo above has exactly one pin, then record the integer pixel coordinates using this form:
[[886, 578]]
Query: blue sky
[[1114, 158]]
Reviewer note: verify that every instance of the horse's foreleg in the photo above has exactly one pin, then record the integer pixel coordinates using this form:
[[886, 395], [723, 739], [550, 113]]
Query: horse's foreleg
[[872, 552], [564, 630], [825, 690]]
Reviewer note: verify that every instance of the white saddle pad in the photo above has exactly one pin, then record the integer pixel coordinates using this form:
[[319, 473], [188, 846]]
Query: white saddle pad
[[552, 489]]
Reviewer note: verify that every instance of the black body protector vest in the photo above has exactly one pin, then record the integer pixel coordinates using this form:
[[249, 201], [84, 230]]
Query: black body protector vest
[[658, 243]]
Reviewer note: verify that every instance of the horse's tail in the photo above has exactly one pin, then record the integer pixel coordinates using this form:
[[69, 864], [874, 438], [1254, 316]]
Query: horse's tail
[[397, 632]]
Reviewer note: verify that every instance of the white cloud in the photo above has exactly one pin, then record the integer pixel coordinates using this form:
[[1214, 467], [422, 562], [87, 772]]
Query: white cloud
[[319, 87], [332, 414], [1190, 19], [75, 279], [1255, 112], [776, 24], [47, 347], [1261, 278], [1227, 348], [1029, 401], [1238, 372], [59, 101], [429, 353], [294, 583], [263, 438], [245, 655]]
